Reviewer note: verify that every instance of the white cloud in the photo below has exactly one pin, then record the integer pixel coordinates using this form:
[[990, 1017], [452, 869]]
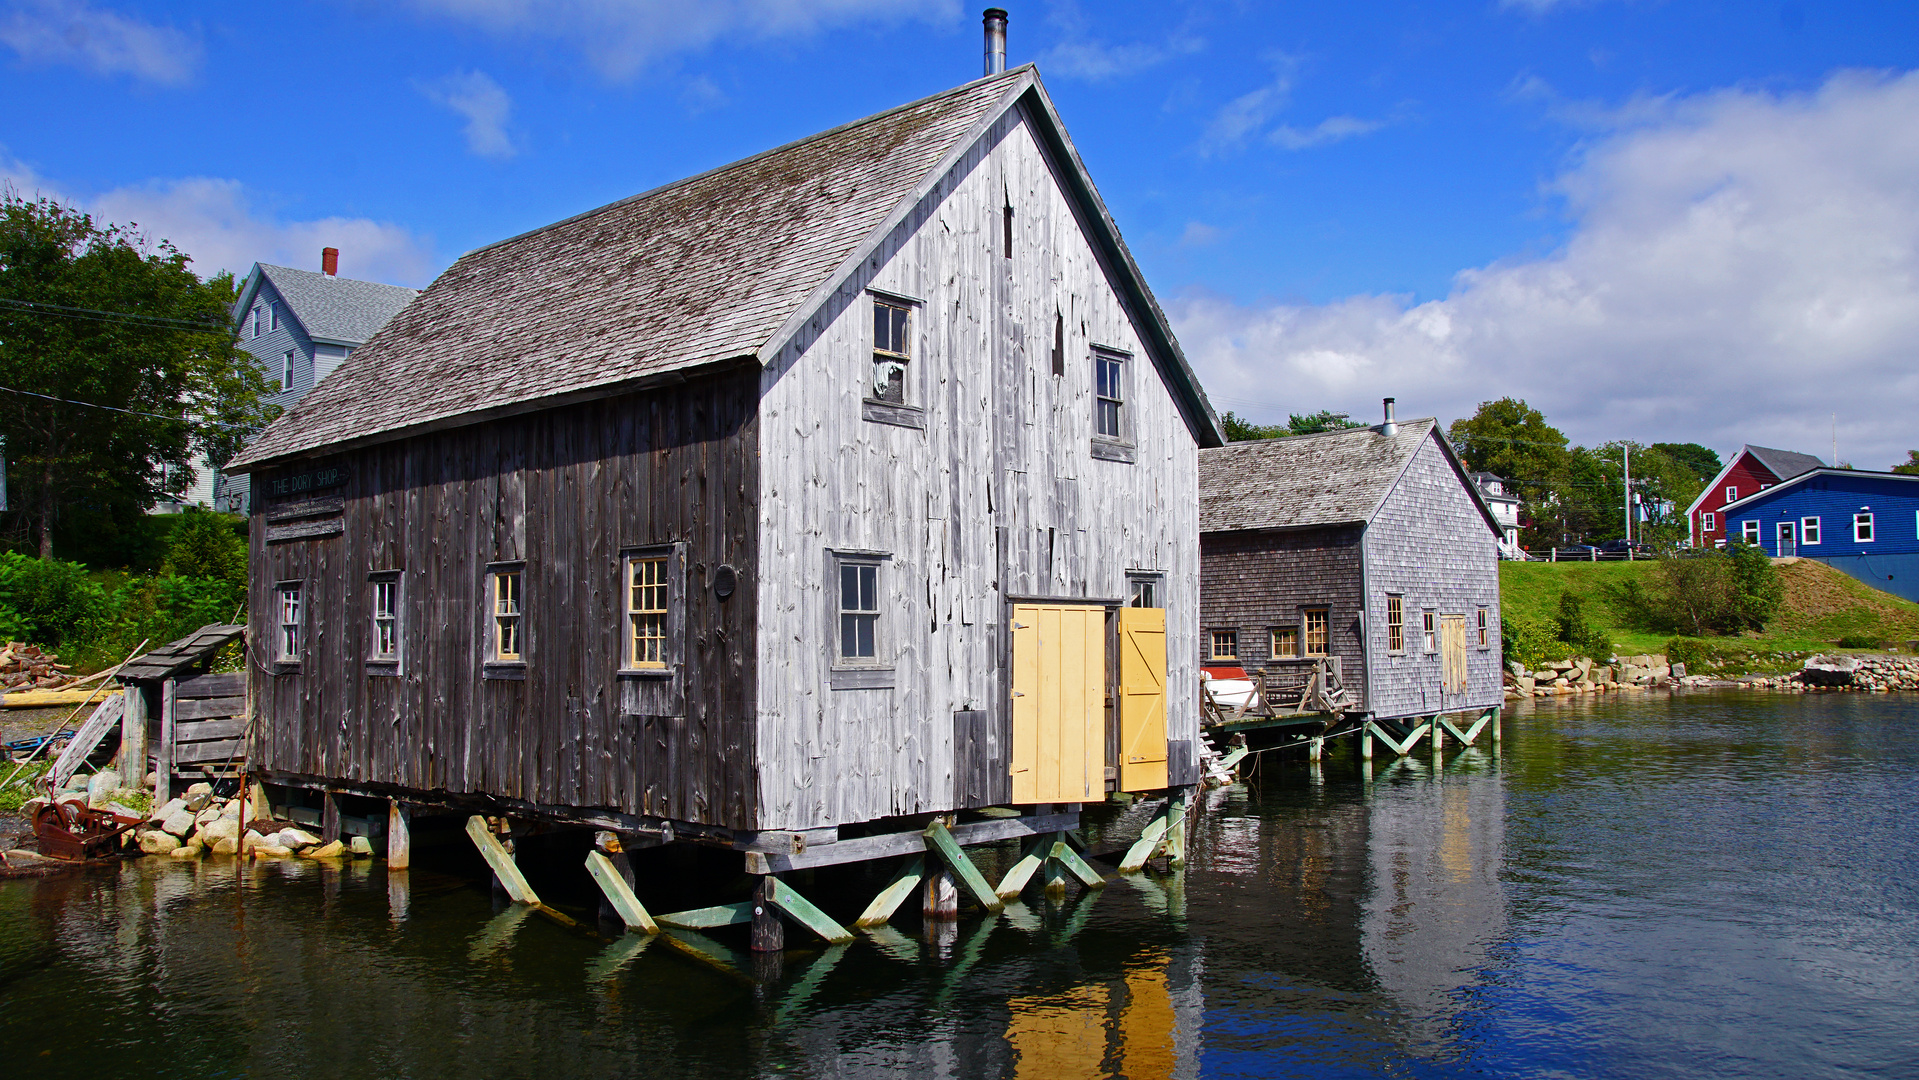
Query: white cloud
[[1242, 117], [620, 38], [1330, 130], [1742, 265], [1198, 234], [217, 223], [486, 106], [1097, 61], [103, 42]]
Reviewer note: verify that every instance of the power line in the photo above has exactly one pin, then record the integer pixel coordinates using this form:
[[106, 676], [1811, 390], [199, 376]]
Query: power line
[[129, 318], [129, 412]]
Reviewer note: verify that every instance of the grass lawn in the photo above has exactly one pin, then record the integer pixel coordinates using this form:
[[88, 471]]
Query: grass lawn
[[1822, 605]]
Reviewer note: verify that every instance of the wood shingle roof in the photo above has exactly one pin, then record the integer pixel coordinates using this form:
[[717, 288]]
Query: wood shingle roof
[[698, 272]]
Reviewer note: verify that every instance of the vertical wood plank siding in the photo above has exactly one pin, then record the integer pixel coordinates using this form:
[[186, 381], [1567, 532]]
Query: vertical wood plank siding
[[564, 491], [1430, 543], [1254, 580], [997, 495]]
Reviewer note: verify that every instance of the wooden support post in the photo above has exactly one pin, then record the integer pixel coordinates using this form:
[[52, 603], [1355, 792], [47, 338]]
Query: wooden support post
[[505, 871], [1055, 874], [801, 910], [941, 843], [1498, 715], [1176, 812], [619, 893], [939, 901], [1365, 745], [1439, 732], [769, 933], [890, 898], [1030, 857], [1315, 748], [133, 726], [329, 817], [399, 836]]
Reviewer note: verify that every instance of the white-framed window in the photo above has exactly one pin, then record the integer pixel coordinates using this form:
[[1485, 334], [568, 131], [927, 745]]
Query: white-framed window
[[1749, 531], [286, 370], [292, 614], [274, 317], [859, 611], [259, 321], [1318, 637], [1225, 645], [1429, 630], [1708, 522], [1763, 487], [1732, 494], [1109, 395], [647, 606], [892, 350], [1395, 623], [1485, 625], [1862, 527], [384, 646], [507, 603], [1285, 642], [1808, 531]]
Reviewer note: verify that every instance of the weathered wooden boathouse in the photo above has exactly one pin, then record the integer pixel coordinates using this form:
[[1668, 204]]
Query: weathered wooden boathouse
[[1361, 564], [808, 498]]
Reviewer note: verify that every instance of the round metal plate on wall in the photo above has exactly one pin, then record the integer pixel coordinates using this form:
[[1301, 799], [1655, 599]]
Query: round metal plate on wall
[[724, 579]]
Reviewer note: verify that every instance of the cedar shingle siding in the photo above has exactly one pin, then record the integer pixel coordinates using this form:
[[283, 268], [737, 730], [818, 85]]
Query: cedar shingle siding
[[1255, 581]]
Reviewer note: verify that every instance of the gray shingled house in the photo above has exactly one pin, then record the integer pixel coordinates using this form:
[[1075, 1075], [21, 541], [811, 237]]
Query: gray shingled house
[[839, 484], [1371, 545]]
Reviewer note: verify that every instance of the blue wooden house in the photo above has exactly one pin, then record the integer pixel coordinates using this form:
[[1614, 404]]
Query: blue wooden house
[[1864, 523]]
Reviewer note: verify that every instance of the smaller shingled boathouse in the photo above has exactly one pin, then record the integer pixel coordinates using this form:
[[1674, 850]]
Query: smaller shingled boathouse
[[833, 505], [1366, 556]]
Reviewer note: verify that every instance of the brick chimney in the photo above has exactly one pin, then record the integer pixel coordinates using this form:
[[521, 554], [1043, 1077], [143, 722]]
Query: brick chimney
[[330, 261]]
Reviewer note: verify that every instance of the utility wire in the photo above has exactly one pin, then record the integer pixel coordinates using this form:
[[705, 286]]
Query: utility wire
[[129, 318], [129, 412]]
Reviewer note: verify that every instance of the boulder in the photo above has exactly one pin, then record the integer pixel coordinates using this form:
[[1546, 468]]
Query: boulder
[[152, 780], [219, 829], [360, 845], [197, 800], [1602, 675], [224, 846], [172, 807], [156, 842], [252, 840], [179, 824], [231, 810], [191, 850], [101, 786], [1679, 671], [295, 838], [271, 851], [208, 814], [1524, 684], [326, 851], [1518, 669], [1830, 670]]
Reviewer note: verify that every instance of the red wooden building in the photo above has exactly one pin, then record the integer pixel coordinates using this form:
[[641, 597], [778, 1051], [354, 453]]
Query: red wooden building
[[1753, 469]]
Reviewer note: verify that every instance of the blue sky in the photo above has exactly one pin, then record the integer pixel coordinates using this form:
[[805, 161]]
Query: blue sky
[[1688, 221]]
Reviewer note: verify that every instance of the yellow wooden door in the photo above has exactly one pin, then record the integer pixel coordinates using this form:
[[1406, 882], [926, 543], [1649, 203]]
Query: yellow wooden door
[[1142, 699], [1452, 639], [1059, 703]]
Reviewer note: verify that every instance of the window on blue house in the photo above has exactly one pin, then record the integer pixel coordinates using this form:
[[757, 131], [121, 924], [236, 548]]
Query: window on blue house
[[1808, 530], [1862, 527], [1749, 532]]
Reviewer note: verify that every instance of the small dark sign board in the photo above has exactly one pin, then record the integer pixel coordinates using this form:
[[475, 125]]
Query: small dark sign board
[[294, 485]]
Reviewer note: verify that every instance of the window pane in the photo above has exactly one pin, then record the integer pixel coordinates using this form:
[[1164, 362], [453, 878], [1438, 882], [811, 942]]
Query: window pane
[[866, 635], [881, 326], [849, 635], [849, 588], [869, 578]]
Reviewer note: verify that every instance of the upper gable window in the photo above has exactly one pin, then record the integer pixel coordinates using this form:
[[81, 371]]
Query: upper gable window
[[1109, 390], [274, 316], [892, 350], [286, 370], [259, 321], [1732, 494]]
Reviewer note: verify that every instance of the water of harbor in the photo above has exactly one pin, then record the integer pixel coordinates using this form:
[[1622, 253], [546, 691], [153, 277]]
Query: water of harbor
[[1714, 883]]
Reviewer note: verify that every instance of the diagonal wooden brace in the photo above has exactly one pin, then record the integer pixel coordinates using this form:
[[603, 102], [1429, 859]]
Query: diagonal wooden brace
[[708, 917], [1471, 732], [801, 910], [1031, 857], [1147, 846], [1400, 748], [501, 861], [1064, 855], [890, 898], [618, 894], [940, 842]]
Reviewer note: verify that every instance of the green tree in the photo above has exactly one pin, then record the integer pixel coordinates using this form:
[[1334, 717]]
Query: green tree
[[1322, 420], [1911, 465], [119, 364], [208, 545], [1512, 440], [1240, 429], [1700, 462]]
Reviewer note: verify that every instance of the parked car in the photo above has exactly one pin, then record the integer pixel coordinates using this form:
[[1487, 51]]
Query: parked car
[[1621, 546]]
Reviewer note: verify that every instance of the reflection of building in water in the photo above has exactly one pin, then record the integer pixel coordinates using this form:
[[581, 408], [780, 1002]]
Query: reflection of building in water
[[1145, 1024], [1434, 905]]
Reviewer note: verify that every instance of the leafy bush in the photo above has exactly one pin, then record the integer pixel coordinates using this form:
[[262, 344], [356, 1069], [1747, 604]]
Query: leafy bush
[[1713, 593], [1530, 641], [1585, 637], [48, 602], [1854, 641], [207, 545], [1688, 651]]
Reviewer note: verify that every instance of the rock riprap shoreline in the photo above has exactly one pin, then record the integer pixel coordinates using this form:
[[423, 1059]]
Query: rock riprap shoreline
[[1826, 671]]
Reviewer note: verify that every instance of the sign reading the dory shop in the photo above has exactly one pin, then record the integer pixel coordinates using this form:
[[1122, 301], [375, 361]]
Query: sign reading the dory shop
[[294, 485]]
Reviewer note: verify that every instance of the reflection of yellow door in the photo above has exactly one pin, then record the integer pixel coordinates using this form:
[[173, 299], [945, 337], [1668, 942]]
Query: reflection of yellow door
[[1059, 703], [1452, 654], [1142, 699]]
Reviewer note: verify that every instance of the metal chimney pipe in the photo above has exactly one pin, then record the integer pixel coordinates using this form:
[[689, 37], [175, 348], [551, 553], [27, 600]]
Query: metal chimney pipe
[[995, 20], [1391, 426]]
